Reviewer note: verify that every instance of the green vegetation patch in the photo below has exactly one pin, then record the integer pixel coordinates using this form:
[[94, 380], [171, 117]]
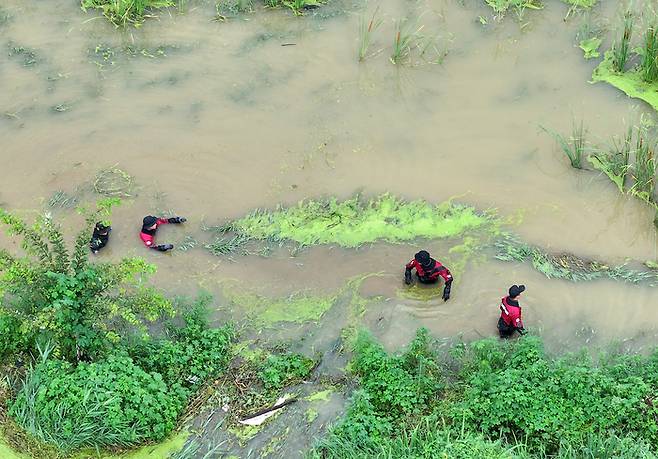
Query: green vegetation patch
[[581, 3], [566, 266], [495, 399], [122, 12], [631, 82], [355, 222], [297, 308], [591, 47]]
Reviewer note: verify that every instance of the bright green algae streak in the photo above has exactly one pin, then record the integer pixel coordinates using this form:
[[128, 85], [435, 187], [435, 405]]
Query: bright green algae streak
[[354, 222], [629, 82]]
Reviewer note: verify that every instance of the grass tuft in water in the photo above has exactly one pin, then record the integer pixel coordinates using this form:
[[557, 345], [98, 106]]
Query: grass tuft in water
[[649, 65], [621, 47], [406, 37], [644, 169], [229, 8], [575, 147], [366, 29], [123, 12], [615, 163]]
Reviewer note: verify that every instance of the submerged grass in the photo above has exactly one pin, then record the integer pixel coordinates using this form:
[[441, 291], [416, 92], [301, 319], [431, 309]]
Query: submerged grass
[[567, 266], [354, 222], [644, 169]]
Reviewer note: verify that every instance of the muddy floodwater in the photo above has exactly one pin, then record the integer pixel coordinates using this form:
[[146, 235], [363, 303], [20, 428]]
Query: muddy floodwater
[[215, 119]]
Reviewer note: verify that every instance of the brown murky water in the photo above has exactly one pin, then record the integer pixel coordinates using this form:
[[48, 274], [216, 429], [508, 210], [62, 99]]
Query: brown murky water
[[223, 119]]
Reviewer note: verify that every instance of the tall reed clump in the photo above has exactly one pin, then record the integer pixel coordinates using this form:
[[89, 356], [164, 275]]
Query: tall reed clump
[[366, 30], [122, 12], [644, 169], [649, 65], [621, 48], [574, 147]]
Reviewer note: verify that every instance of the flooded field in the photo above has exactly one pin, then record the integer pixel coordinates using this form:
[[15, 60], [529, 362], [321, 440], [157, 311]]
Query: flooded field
[[213, 119]]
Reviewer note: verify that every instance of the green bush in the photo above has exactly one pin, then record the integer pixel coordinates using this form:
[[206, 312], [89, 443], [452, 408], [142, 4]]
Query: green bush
[[518, 392], [497, 399], [191, 354], [278, 371], [12, 339], [109, 403], [54, 294]]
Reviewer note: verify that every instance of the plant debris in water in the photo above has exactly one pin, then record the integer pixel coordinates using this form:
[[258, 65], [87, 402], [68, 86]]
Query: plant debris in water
[[591, 47], [114, 182], [63, 200], [566, 266], [354, 222], [29, 56]]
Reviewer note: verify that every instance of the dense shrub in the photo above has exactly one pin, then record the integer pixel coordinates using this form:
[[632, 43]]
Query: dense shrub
[[518, 392], [279, 370], [497, 399], [109, 403], [191, 354]]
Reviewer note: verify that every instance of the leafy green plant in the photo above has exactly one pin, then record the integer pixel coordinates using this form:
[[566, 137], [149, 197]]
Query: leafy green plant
[[190, 354], [366, 30], [55, 293], [502, 6], [574, 147], [123, 12], [103, 404], [621, 47], [279, 370]]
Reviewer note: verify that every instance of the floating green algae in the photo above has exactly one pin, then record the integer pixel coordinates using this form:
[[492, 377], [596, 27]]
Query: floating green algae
[[298, 308], [591, 47], [354, 222], [322, 395], [629, 82], [567, 266]]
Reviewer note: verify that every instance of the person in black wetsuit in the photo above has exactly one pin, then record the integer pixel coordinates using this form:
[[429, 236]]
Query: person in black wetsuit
[[100, 237]]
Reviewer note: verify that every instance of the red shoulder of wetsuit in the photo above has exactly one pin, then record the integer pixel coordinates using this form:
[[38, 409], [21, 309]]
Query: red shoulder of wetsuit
[[511, 313], [147, 238], [438, 270]]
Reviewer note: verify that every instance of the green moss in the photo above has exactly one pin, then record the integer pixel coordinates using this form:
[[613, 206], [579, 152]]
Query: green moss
[[354, 222], [420, 292], [311, 415], [160, 450], [245, 433], [7, 453], [322, 395], [629, 82], [591, 47], [581, 3]]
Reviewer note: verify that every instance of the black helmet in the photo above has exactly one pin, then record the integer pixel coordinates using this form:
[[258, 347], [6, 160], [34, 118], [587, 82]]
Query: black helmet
[[149, 221], [516, 290]]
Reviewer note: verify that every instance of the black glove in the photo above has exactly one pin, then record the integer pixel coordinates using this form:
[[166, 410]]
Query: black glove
[[177, 220], [522, 331], [407, 277], [163, 247], [446, 291]]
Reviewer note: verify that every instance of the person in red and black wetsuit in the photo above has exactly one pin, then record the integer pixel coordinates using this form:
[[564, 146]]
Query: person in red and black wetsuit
[[428, 271], [510, 313], [150, 226]]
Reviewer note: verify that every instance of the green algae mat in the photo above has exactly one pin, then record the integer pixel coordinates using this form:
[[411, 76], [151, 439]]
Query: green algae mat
[[353, 222], [631, 83]]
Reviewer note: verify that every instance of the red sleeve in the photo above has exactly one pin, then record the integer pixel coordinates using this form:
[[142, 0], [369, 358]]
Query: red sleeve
[[411, 264], [445, 273], [162, 221]]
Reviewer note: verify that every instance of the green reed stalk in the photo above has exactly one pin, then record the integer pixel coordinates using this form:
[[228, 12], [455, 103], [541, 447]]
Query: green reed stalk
[[366, 29], [649, 66], [621, 49]]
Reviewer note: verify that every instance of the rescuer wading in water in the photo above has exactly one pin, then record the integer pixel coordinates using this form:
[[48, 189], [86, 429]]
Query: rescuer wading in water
[[428, 271]]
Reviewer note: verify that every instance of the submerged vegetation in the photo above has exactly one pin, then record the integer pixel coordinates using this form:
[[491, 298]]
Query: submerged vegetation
[[574, 147], [122, 12], [495, 399]]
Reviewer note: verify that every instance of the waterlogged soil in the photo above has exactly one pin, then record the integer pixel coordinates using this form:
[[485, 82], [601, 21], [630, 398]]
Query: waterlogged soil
[[216, 119]]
